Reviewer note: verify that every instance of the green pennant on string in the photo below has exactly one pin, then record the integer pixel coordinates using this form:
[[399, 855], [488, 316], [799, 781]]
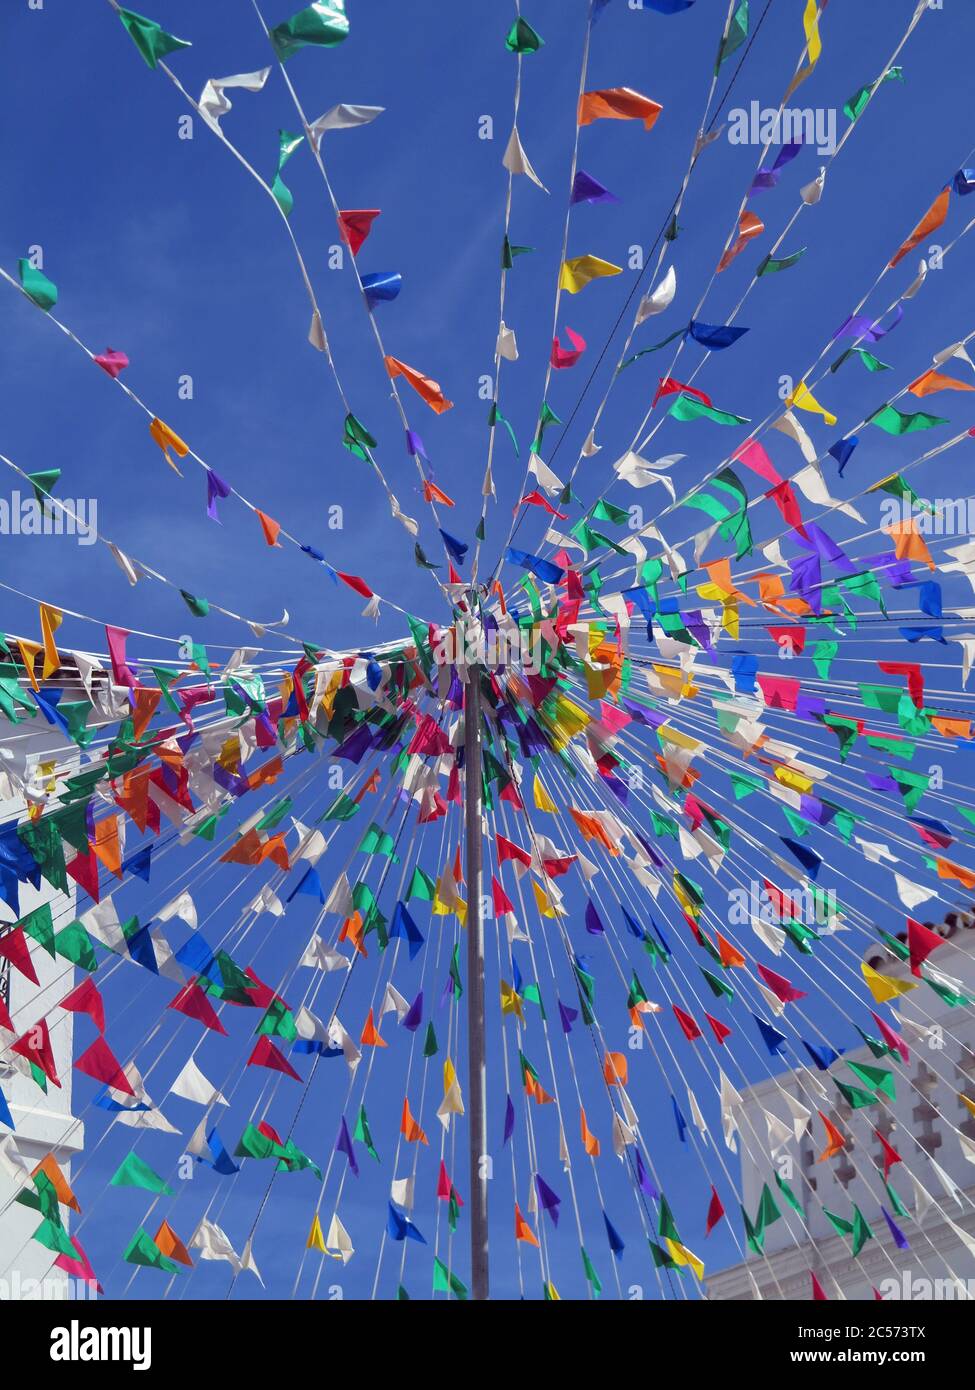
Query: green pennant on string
[[287, 144], [199, 607], [133, 1171], [37, 286], [356, 438], [364, 1134], [320, 25], [446, 1282], [143, 1250], [152, 41], [770, 264], [893, 421], [735, 37], [522, 38]]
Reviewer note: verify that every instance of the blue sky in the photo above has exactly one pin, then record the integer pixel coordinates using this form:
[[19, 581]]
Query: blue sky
[[164, 248]]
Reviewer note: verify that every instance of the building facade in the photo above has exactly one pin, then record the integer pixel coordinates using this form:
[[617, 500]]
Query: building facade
[[928, 1125], [44, 1124]]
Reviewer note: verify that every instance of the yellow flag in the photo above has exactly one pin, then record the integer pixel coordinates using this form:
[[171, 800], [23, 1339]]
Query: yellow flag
[[510, 1002], [814, 45], [884, 987], [545, 905], [577, 273], [51, 619], [316, 1239], [790, 778], [682, 1256], [967, 1102], [803, 399], [168, 439], [29, 652], [543, 802]]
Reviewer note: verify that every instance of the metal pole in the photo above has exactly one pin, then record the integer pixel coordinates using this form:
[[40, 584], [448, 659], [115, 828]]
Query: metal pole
[[477, 1099]]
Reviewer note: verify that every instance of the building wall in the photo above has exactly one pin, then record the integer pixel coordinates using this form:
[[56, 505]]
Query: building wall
[[44, 1123], [941, 1066]]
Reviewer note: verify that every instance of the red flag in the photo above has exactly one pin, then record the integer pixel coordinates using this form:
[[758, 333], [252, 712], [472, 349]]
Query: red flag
[[100, 1062], [921, 942], [86, 1000], [715, 1211], [508, 850], [819, 1293], [502, 903], [192, 1002], [669, 387], [891, 1156], [265, 1054], [780, 986], [354, 582], [718, 1029], [35, 1045], [914, 674], [785, 499], [13, 947], [355, 225], [84, 870], [691, 1030]]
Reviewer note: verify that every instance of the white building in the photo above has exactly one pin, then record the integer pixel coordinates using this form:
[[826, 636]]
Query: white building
[[44, 1124], [941, 1067]]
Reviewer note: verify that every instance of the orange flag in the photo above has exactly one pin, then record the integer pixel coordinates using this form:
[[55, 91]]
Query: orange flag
[[409, 1127], [836, 1141], [146, 700], [370, 1034], [930, 381], [171, 1245], [106, 844], [352, 931], [615, 1069], [930, 222], [618, 104], [271, 529], [425, 387], [51, 1169], [729, 955], [536, 1090], [589, 1141], [749, 226], [522, 1229], [908, 543], [432, 493]]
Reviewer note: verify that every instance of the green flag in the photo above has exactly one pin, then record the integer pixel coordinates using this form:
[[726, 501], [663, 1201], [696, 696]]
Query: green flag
[[377, 841], [151, 41], [770, 264], [735, 37], [363, 1133], [199, 607], [421, 886], [287, 144], [895, 422], [143, 1250], [36, 286], [321, 25], [690, 408], [522, 38], [135, 1172], [356, 438], [446, 1282]]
